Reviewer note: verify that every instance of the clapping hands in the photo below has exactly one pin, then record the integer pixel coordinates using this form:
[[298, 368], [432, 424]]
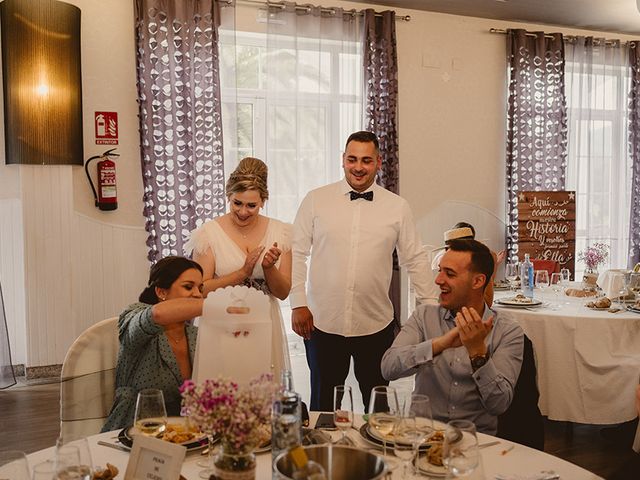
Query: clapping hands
[[271, 257]]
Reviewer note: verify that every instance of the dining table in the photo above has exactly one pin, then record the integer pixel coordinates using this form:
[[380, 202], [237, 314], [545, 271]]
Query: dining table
[[588, 360], [500, 459]]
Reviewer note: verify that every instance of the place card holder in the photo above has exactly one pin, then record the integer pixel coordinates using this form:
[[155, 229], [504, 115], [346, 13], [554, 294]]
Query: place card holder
[[154, 459]]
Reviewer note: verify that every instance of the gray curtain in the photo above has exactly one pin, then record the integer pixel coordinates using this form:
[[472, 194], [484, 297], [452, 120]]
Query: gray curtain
[[7, 376], [381, 110], [180, 119], [536, 121], [634, 150]]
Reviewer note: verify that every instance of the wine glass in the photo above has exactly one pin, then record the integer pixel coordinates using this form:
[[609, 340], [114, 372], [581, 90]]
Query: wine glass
[[634, 283], [14, 465], [407, 437], [420, 407], [511, 272], [151, 414], [74, 458], [383, 412], [542, 280], [621, 281], [44, 470], [557, 287], [460, 448], [343, 410], [566, 275]]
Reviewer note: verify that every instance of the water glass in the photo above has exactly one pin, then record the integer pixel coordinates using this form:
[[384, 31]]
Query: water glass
[[542, 280], [14, 465], [72, 463], [511, 272], [557, 287], [460, 449], [343, 410], [44, 470], [407, 438], [151, 414]]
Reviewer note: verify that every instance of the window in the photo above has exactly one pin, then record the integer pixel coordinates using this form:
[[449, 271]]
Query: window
[[293, 106]]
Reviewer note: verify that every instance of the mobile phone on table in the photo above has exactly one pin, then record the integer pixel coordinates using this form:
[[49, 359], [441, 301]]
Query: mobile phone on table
[[325, 422]]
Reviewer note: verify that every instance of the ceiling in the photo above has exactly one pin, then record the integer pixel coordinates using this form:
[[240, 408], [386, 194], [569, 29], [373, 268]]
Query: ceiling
[[618, 16]]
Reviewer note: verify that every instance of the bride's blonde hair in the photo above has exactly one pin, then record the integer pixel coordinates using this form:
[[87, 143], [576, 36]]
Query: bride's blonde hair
[[250, 174]]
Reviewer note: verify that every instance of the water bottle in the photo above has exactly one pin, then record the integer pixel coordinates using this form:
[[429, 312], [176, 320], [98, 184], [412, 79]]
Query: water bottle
[[526, 277], [286, 420]]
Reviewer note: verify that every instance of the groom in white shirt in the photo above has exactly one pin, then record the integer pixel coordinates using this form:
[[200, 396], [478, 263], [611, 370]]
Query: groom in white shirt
[[349, 229]]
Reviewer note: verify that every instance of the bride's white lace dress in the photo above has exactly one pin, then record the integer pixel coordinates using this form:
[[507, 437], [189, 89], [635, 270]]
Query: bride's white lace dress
[[229, 257]]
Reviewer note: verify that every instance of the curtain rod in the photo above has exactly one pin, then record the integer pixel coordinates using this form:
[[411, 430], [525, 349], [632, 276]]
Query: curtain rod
[[307, 8], [566, 38]]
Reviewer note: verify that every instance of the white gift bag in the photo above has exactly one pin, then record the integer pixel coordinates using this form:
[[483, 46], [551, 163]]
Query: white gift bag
[[234, 335]]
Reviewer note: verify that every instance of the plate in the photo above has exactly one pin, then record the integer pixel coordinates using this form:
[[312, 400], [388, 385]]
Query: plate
[[599, 309], [200, 441], [429, 468], [437, 425], [510, 302], [499, 287]]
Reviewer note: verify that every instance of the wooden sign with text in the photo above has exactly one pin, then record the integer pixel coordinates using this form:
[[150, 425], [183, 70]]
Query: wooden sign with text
[[547, 227]]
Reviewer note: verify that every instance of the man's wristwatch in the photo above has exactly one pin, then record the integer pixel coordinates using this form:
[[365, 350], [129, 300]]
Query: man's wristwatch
[[478, 361]]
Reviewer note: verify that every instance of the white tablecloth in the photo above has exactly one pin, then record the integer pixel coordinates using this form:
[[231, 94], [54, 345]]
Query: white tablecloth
[[588, 361], [521, 460]]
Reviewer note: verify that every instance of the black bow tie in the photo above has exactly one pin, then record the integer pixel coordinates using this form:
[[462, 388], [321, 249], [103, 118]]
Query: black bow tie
[[366, 195]]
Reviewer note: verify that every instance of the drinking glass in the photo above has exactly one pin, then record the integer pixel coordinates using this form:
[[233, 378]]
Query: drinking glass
[[460, 448], [542, 280], [44, 470], [73, 459], [511, 273], [407, 437], [621, 280], [566, 275], [634, 283], [557, 287], [383, 412], [151, 414], [420, 407], [14, 465], [343, 410]]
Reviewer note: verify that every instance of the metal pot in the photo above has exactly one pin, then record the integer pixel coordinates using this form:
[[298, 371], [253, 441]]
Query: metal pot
[[340, 463]]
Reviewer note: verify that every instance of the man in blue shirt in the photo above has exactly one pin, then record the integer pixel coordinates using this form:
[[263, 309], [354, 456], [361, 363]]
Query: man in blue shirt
[[466, 357]]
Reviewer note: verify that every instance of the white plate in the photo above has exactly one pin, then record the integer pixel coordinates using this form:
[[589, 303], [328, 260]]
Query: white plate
[[437, 425], [199, 441], [428, 468], [510, 302]]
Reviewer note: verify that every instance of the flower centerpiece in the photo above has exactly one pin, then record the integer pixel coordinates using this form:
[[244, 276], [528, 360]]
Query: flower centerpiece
[[238, 415], [593, 257]]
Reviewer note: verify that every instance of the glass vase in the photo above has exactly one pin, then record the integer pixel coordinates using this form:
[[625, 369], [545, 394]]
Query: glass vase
[[230, 464], [590, 278]]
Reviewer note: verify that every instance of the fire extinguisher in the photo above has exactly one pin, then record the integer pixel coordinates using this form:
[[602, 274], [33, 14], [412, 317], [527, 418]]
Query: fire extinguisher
[[106, 198]]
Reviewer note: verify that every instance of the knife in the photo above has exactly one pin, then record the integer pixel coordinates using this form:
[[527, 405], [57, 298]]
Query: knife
[[122, 448], [490, 444]]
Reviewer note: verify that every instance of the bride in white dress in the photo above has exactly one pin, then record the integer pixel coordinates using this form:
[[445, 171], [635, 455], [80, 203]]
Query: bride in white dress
[[243, 247]]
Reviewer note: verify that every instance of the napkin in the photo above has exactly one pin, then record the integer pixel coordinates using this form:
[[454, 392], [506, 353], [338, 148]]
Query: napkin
[[543, 475]]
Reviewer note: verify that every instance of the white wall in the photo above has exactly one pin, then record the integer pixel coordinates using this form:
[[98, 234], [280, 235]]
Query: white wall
[[65, 265]]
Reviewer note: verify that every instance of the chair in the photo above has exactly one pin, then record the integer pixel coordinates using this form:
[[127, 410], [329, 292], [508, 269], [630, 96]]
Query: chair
[[550, 266], [87, 380], [522, 422]]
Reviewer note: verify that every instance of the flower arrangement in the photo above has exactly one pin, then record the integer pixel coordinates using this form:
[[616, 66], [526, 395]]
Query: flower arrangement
[[595, 255], [221, 407]]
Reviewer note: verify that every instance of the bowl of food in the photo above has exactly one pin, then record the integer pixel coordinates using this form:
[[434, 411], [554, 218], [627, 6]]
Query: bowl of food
[[340, 462]]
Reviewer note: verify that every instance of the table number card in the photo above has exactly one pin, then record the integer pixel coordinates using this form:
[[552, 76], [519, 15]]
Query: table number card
[[154, 459]]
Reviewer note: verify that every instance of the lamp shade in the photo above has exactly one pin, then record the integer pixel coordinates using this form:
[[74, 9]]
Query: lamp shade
[[42, 82]]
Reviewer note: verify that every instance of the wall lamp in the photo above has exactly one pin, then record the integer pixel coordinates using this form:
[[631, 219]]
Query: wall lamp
[[42, 82]]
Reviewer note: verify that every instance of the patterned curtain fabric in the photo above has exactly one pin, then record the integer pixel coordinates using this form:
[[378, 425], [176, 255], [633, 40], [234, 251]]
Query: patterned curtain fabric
[[537, 121], [381, 96], [180, 119], [634, 150], [381, 110], [7, 376]]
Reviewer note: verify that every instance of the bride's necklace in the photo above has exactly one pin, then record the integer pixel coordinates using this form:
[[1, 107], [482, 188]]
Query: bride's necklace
[[250, 228]]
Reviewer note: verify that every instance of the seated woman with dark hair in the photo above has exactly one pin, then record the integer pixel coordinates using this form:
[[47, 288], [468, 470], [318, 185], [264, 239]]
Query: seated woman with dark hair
[[156, 345]]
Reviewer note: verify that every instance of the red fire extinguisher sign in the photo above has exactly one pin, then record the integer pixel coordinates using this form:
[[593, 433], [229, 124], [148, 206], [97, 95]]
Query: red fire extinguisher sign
[[106, 128]]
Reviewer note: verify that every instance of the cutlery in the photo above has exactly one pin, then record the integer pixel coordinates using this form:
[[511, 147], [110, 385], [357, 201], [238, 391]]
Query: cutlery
[[489, 444], [122, 448]]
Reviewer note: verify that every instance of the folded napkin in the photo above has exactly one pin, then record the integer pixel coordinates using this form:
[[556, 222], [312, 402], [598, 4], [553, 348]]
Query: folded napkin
[[543, 475]]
